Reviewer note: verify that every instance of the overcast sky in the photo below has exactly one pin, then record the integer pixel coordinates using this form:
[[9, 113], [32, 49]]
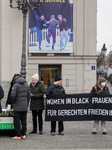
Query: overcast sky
[[104, 24]]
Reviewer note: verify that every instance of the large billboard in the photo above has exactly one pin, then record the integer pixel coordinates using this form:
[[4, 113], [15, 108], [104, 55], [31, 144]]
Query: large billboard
[[51, 27]]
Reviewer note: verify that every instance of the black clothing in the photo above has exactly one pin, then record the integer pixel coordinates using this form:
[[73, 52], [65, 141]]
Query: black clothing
[[37, 91], [110, 78], [20, 116], [37, 104], [63, 25], [56, 90], [1, 96], [20, 94], [33, 131], [96, 89], [57, 78], [40, 22], [1, 92], [36, 113], [9, 101], [60, 126]]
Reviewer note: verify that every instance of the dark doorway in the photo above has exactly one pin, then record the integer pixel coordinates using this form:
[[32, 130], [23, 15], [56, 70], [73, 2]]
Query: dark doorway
[[48, 73]]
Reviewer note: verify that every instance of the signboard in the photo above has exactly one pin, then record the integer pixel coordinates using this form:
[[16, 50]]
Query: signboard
[[6, 123], [6, 120], [79, 107], [51, 27], [92, 67]]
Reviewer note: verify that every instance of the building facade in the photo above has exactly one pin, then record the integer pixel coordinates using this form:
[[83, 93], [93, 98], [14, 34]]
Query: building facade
[[77, 69]]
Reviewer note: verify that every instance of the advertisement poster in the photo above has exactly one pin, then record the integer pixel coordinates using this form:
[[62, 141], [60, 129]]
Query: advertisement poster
[[51, 27]]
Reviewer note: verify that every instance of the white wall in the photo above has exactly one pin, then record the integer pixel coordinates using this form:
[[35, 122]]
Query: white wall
[[11, 40], [0, 37], [85, 43]]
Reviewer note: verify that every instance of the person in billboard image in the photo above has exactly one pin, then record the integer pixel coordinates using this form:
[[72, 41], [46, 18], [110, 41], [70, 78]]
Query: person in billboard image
[[52, 30], [63, 32], [40, 23]]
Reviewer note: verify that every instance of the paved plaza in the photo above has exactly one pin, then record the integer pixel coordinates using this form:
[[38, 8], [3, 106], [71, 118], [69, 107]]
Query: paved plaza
[[77, 136]]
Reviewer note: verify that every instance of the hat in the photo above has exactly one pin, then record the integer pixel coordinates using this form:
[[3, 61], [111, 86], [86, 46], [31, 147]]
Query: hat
[[53, 16], [102, 79], [35, 76], [43, 15], [59, 15], [57, 78]]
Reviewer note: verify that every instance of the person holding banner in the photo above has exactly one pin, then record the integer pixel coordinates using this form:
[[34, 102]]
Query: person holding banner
[[56, 89], [37, 103], [101, 89]]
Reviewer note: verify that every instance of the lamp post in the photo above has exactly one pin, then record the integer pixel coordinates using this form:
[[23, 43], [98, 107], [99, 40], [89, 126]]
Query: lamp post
[[71, 7], [24, 5]]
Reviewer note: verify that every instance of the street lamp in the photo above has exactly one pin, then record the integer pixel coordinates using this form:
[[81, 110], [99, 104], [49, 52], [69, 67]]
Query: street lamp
[[24, 5], [71, 34]]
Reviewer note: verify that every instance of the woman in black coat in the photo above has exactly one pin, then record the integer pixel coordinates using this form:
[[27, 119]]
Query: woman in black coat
[[1, 96], [56, 89], [9, 101]]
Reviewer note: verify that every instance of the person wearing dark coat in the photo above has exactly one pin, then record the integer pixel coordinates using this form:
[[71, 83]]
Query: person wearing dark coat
[[9, 101], [37, 103], [102, 89], [56, 89], [1, 96], [20, 96]]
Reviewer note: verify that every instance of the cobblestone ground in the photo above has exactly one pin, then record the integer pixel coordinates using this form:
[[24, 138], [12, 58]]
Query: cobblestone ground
[[77, 136]]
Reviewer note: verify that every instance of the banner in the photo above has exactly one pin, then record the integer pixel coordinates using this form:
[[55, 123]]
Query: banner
[[79, 107], [51, 27], [7, 120], [7, 113]]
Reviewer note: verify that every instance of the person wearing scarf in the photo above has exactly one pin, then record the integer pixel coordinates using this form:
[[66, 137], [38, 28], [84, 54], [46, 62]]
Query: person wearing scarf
[[37, 103], [102, 89]]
